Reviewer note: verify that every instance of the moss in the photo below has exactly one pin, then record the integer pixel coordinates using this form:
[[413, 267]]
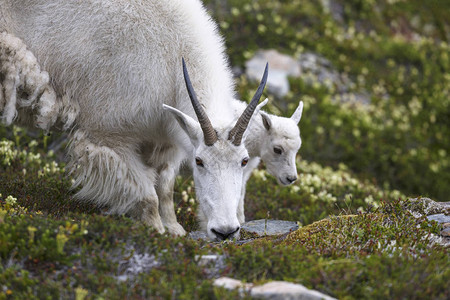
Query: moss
[[364, 256], [245, 235]]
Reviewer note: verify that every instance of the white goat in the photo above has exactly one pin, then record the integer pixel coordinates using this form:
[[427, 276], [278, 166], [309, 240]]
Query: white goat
[[113, 64], [104, 54]]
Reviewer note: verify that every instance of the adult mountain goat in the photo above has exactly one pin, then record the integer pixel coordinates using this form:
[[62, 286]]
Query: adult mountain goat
[[112, 65]]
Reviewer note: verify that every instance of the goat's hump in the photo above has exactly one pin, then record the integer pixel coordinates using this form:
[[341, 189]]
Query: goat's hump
[[123, 58]]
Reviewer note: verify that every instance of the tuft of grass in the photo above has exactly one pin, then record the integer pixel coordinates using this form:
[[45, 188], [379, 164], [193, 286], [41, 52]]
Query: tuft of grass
[[370, 255]]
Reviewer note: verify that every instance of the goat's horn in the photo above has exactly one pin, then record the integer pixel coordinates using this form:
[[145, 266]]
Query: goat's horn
[[238, 130], [208, 130]]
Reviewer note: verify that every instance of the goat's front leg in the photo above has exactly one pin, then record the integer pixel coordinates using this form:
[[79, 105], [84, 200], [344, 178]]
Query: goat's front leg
[[147, 211], [113, 175], [166, 206]]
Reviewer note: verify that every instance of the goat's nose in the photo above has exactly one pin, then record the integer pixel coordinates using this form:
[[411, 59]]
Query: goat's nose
[[223, 234], [291, 178]]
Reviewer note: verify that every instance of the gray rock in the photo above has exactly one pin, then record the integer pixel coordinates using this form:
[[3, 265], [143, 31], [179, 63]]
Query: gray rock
[[429, 206], [269, 227], [260, 227], [334, 8], [213, 264], [315, 63], [198, 235], [358, 97], [272, 290], [204, 260], [314, 67], [439, 240], [440, 218], [309, 66], [281, 290], [280, 67], [237, 71], [232, 284], [446, 232], [136, 264]]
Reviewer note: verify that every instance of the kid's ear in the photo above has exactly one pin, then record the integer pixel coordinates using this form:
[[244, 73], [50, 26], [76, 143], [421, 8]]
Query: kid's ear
[[255, 113], [188, 124], [297, 115], [266, 121], [261, 105]]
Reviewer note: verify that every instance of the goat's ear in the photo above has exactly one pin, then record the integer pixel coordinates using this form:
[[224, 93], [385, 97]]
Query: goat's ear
[[258, 108], [188, 124], [297, 115], [266, 121]]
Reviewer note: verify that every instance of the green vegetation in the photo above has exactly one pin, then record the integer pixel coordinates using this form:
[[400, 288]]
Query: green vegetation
[[396, 51], [52, 246], [358, 165], [373, 255]]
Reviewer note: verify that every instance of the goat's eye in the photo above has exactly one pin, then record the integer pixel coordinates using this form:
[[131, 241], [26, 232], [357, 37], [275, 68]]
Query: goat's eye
[[199, 162], [277, 150], [244, 162]]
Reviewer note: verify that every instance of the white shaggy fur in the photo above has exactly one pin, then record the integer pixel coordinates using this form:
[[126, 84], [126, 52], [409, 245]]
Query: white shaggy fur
[[113, 64], [24, 86]]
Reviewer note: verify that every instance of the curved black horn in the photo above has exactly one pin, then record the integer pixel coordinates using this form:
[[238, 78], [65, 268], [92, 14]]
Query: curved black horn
[[238, 130], [209, 133]]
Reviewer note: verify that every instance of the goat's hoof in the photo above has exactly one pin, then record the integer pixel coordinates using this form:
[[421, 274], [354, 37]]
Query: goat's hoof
[[176, 229], [155, 224]]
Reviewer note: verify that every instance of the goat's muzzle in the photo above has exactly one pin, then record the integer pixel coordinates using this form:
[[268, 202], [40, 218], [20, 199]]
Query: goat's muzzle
[[225, 233]]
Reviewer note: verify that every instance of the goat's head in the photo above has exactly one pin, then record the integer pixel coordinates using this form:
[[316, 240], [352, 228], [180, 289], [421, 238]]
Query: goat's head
[[282, 144], [219, 159]]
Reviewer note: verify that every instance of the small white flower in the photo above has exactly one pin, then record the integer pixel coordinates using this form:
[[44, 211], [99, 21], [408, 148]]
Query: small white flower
[[184, 196], [10, 200]]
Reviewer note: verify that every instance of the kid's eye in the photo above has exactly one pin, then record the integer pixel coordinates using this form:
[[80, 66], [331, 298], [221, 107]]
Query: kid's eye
[[277, 150], [244, 162], [199, 162]]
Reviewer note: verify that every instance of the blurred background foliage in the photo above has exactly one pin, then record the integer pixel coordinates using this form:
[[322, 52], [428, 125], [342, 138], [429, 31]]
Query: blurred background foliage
[[395, 51]]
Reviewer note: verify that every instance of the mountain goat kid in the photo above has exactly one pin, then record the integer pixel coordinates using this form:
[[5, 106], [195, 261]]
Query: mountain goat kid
[[112, 65], [274, 140]]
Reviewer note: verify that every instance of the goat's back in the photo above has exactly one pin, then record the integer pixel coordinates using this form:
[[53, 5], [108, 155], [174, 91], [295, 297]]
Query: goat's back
[[119, 60]]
